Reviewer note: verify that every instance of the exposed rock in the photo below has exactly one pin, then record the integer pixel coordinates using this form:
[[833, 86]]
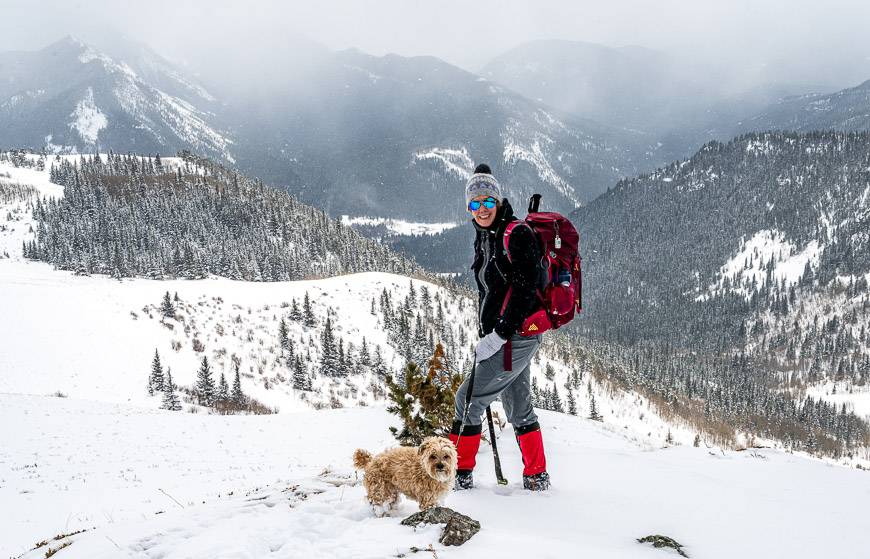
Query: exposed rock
[[458, 530], [658, 540]]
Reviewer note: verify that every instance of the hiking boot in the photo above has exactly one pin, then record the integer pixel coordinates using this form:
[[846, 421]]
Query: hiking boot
[[537, 482], [464, 480]]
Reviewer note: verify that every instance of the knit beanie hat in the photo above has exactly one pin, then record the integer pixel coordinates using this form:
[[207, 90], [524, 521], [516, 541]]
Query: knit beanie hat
[[482, 183]]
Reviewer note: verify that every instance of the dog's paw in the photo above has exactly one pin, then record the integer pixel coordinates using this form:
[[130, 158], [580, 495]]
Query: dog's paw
[[381, 510]]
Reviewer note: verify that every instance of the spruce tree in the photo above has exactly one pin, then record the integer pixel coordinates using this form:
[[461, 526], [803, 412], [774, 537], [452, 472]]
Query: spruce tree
[[155, 382], [237, 397], [549, 372], [593, 410], [167, 309], [295, 313], [205, 390], [170, 398], [300, 379], [364, 358], [379, 368], [342, 369], [308, 313], [556, 400], [223, 391], [572, 403], [329, 355], [283, 339]]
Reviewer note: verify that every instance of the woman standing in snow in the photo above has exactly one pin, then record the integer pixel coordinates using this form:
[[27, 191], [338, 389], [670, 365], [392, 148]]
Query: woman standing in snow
[[507, 296]]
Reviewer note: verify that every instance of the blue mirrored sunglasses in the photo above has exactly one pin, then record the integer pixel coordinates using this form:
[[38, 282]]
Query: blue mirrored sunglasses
[[488, 203]]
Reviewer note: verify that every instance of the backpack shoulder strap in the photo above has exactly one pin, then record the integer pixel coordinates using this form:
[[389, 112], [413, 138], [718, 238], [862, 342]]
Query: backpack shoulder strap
[[507, 235]]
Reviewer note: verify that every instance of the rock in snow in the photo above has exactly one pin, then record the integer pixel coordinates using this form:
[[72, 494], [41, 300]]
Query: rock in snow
[[458, 530]]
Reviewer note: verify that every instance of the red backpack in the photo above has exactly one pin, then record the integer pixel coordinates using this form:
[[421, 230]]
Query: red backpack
[[560, 281]]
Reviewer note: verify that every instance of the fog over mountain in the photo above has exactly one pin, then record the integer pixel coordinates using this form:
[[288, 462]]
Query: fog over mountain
[[352, 134], [809, 41]]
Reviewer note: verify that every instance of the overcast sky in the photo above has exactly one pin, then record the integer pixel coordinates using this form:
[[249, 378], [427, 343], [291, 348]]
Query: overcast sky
[[466, 33]]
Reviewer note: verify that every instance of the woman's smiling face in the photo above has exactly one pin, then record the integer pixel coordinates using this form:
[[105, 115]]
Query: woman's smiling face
[[484, 216]]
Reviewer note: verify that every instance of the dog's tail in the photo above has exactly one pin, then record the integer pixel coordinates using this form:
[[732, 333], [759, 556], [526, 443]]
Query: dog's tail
[[361, 459]]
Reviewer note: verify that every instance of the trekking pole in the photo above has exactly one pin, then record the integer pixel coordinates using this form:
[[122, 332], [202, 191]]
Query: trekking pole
[[498, 474]]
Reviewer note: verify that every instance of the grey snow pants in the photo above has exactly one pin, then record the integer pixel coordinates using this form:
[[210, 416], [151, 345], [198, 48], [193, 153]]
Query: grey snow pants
[[492, 381]]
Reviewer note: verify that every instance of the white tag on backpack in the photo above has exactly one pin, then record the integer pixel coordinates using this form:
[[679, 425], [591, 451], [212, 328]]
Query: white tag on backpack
[[558, 242]]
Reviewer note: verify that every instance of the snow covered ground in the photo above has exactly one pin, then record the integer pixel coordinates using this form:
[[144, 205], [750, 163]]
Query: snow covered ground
[[148, 483], [746, 271], [856, 398], [399, 226], [94, 337]]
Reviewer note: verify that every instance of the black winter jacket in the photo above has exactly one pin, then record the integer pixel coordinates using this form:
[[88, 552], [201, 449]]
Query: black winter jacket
[[495, 274]]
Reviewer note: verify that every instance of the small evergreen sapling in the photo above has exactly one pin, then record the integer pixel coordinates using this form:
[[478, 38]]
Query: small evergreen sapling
[[425, 401], [549, 372], [223, 391], [170, 398]]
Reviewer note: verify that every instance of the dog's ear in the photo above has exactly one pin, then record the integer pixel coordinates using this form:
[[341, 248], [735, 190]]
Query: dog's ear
[[425, 445]]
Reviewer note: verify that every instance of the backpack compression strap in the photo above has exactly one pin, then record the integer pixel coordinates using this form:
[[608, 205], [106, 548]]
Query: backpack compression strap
[[507, 233], [508, 362]]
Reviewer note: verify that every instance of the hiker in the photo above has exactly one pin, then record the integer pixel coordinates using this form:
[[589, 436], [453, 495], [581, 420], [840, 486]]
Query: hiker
[[507, 290]]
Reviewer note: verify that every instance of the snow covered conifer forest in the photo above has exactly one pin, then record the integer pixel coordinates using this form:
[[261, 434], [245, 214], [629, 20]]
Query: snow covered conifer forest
[[123, 216]]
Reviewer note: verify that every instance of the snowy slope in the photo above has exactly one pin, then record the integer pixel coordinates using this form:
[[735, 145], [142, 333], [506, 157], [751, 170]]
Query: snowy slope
[[150, 483], [102, 333], [147, 483], [95, 337]]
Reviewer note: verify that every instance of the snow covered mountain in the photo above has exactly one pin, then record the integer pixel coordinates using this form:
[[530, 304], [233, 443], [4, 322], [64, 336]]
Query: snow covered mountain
[[70, 97], [345, 131], [847, 110], [363, 134], [757, 248]]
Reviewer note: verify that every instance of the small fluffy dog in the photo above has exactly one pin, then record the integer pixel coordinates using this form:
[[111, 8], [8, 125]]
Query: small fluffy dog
[[424, 474]]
